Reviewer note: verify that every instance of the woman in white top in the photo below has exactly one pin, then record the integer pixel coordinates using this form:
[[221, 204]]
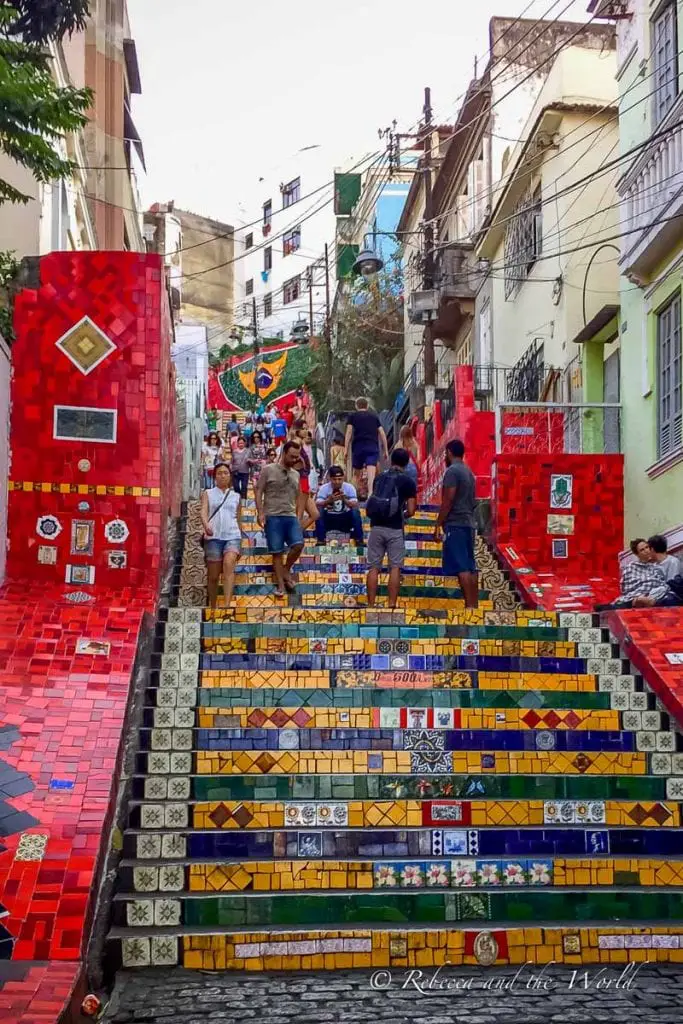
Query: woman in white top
[[221, 516], [210, 451]]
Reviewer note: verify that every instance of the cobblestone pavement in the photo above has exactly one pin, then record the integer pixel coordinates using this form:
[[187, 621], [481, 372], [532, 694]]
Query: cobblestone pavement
[[651, 995]]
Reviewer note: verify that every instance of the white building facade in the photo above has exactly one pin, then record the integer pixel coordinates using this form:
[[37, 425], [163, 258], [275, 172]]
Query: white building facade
[[283, 242]]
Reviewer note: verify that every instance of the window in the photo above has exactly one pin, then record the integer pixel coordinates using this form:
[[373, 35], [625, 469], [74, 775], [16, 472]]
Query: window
[[268, 258], [669, 434], [268, 304], [291, 241], [249, 286], [665, 60], [523, 241], [291, 192], [73, 423], [267, 214], [291, 290], [249, 241]]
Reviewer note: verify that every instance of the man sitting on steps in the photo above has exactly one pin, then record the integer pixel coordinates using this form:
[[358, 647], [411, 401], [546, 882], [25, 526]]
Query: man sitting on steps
[[337, 503], [393, 500]]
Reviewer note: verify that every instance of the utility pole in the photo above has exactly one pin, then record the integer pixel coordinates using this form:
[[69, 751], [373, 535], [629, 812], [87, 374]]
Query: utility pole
[[310, 302], [328, 325], [429, 357], [257, 353]]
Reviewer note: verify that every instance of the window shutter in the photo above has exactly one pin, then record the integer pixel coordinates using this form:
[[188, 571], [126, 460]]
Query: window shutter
[[669, 408], [480, 198]]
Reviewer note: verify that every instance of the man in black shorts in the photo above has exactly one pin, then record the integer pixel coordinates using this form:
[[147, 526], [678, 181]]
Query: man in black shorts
[[366, 438]]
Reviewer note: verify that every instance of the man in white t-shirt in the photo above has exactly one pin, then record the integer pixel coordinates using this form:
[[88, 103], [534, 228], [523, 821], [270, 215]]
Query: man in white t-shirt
[[337, 503]]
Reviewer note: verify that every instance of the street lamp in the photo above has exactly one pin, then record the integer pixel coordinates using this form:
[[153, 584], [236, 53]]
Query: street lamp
[[368, 263], [300, 330]]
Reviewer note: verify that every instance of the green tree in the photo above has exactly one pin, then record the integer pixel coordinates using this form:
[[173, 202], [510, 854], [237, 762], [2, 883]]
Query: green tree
[[365, 356], [34, 111]]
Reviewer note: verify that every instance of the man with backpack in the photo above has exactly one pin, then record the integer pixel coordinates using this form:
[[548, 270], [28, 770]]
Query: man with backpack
[[393, 500]]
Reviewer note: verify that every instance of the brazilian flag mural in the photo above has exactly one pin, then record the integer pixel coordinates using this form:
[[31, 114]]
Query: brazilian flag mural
[[281, 369]]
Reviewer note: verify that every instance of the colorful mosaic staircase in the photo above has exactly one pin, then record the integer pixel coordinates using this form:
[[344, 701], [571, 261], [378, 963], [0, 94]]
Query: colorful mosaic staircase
[[322, 785]]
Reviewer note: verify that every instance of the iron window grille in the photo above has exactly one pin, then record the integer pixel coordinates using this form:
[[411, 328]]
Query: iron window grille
[[268, 305], [523, 241], [249, 241], [267, 213], [249, 287], [268, 258], [525, 379]]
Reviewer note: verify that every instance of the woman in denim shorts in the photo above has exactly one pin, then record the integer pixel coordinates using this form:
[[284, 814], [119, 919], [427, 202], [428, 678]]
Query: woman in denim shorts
[[221, 518]]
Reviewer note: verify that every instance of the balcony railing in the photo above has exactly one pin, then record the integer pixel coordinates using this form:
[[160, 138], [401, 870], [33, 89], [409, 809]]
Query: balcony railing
[[526, 382], [652, 195]]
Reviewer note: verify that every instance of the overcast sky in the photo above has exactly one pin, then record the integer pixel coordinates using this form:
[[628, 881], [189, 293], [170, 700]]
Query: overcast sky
[[231, 88]]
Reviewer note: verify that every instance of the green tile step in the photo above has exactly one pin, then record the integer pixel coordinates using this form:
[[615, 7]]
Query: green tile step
[[339, 697], [391, 787], [540, 906]]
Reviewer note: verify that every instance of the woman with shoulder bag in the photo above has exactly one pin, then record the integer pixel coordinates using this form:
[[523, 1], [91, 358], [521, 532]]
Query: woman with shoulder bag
[[221, 515]]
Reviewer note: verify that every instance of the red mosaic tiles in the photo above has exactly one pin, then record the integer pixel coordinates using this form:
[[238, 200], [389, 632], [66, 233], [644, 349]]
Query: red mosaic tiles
[[35, 993], [558, 525], [130, 477], [95, 472], [653, 639], [476, 429]]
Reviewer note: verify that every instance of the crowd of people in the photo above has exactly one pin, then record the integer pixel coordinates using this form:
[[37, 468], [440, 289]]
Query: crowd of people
[[275, 453], [295, 492]]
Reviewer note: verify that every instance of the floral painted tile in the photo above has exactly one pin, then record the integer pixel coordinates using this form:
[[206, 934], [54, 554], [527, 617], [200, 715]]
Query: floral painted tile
[[386, 876], [413, 876], [463, 873], [540, 872], [438, 874], [514, 872], [488, 872]]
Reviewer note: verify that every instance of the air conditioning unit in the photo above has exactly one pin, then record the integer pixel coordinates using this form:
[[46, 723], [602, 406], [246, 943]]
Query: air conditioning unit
[[423, 306]]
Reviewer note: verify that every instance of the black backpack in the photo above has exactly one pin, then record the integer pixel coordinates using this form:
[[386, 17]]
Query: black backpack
[[676, 586], [384, 502]]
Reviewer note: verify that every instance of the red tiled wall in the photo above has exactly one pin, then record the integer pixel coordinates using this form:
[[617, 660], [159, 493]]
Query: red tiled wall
[[477, 431], [539, 432], [124, 295], [521, 506]]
